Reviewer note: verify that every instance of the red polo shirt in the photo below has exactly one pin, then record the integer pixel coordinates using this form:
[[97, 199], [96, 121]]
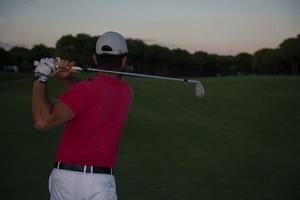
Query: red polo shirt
[[101, 106]]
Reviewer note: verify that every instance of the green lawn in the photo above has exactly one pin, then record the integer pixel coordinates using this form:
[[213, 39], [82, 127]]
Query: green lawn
[[10, 76], [241, 141]]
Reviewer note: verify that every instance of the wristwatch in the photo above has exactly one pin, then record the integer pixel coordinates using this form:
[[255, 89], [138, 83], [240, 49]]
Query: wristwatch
[[42, 78]]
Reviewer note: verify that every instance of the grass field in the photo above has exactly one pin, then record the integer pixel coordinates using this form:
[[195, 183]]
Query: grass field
[[11, 76], [239, 142]]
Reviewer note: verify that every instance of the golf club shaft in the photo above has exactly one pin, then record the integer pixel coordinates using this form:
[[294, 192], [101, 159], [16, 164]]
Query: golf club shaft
[[199, 89], [141, 75]]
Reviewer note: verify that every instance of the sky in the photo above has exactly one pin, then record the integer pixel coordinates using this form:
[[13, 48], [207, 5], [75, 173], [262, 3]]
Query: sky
[[215, 26]]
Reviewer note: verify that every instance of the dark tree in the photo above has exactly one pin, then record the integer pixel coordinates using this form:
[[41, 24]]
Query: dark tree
[[5, 58], [290, 52], [155, 59], [267, 61], [243, 62], [20, 57], [41, 51], [79, 48]]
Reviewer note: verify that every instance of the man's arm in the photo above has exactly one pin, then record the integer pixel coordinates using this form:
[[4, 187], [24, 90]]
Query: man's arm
[[45, 114]]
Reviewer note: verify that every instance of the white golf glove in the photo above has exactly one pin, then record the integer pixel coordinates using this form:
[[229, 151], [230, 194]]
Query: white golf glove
[[47, 66]]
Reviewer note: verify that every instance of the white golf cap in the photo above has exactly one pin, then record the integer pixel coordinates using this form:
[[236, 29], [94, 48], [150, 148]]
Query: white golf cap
[[112, 43]]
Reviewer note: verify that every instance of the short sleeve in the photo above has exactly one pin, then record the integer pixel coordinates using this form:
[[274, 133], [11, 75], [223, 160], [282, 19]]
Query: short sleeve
[[75, 98]]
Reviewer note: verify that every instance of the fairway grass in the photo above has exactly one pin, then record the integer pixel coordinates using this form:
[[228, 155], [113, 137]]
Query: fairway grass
[[241, 141]]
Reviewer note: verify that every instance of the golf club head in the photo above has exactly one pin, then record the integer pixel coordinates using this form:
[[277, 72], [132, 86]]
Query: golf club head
[[199, 90]]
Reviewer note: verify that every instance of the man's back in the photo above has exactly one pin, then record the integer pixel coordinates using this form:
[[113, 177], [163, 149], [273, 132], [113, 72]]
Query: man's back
[[94, 113], [101, 106]]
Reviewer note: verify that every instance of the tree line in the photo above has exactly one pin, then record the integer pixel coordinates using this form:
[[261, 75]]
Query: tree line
[[155, 59]]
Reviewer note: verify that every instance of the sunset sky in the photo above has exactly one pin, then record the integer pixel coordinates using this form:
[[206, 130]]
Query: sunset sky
[[215, 26]]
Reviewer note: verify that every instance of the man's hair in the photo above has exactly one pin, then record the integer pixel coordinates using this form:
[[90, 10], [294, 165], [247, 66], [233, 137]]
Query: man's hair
[[109, 62]]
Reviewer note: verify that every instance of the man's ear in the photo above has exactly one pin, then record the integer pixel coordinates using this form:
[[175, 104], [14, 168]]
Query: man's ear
[[95, 59], [124, 62]]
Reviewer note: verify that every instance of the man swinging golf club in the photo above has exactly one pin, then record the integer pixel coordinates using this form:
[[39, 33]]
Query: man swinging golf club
[[94, 112]]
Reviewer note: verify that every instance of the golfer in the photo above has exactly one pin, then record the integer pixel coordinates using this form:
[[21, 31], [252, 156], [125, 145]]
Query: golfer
[[94, 112]]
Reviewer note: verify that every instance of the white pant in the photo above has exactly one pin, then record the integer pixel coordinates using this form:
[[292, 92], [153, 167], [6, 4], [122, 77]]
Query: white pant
[[71, 185]]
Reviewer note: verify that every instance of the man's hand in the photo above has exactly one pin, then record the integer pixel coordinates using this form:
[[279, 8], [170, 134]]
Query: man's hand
[[65, 68], [65, 71], [46, 66]]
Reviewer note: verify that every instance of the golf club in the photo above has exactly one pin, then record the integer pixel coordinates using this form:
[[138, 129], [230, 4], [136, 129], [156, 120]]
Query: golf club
[[199, 89]]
